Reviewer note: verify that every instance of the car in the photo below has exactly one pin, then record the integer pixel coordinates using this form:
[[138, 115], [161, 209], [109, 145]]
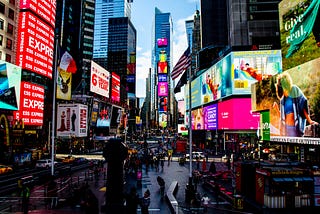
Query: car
[[80, 160], [5, 169], [44, 163], [195, 155], [69, 159]]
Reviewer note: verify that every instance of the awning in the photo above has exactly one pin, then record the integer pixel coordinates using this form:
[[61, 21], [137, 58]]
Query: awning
[[293, 179]]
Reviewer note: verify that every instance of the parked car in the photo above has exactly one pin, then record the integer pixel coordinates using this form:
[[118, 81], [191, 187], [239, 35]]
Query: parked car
[[5, 169], [195, 155], [44, 163]]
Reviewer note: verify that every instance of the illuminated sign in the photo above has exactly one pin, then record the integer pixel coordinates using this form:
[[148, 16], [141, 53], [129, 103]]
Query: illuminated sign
[[162, 89], [162, 42], [72, 120], [163, 102], [31, 104], [45, 9], [162, 78], [197, 119], [115, 87], [35, 45], [10, 79], [100, 78], [210, 114], [162, 67]]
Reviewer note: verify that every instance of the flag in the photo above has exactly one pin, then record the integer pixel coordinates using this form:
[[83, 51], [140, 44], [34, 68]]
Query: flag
[[183, 63], [67, 63], [183, 80]]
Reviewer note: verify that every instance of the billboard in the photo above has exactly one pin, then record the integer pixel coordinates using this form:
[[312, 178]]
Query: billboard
[[162, 56], [197, 119], [35, 45], [99, 80], [300, 31], [31, 104], [162, 78], [300, 87], [72, 120], [115, 87], [162, 89], [45, 9], [104, 115], [163, 119], [162, 67], [163, 104], [64, 82], [232, 116], [210, 114], [10, 79], [162, 42]]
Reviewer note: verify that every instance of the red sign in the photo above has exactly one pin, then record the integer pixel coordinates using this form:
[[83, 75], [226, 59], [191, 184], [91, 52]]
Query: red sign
[[35, 45], [31, 104], [115, 87], [45, 9]]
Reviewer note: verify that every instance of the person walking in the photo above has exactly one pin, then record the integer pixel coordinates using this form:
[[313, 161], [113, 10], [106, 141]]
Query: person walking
[[132, 200], [25, 194], [145, 202], [162, 184], [205, 202]]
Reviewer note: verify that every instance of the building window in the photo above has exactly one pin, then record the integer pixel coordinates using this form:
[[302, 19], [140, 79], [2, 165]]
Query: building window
[[2, 8], [1, 40], [10, 29], [11, 14], [9, 44], [12, 2], [8, 58], [1, 24]]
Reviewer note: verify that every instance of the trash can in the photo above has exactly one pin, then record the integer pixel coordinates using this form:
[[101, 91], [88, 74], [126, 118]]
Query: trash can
[[238, 202]]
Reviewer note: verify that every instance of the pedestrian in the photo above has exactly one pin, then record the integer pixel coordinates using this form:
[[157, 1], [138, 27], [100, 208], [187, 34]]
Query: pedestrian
[[204, 165], [205, 202], [132, 200], [162, 163], [162, 184], [25, 194], [217, 192], [145, 202]]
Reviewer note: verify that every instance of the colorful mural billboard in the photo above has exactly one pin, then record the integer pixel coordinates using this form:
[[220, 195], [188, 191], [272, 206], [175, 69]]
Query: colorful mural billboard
[[300, 31], [293, 103]]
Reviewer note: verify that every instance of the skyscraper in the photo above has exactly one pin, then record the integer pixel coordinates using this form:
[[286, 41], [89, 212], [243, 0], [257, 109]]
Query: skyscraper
[[162, 31], [103, 11]]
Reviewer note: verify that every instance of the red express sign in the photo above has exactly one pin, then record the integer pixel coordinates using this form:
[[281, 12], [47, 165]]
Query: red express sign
[[31, 104], [46, 9], [35, 45]]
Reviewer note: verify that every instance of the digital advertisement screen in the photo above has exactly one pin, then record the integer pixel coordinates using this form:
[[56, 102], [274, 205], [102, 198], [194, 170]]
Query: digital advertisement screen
[[162, 78], [115, 87], [162, 56], [163, 104], [300, 31], [35, 45], [162, 89], [45, 9], [31, 104], [197, 119], [163, 119], [236, 114], [100, 80], [104, 115], [291, 96], [162, 42], [210, 114], [162, 67], [10, 79], [252, 66]]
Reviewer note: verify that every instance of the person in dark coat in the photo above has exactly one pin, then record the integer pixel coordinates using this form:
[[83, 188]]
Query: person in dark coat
[[145, 202], [132, 200]]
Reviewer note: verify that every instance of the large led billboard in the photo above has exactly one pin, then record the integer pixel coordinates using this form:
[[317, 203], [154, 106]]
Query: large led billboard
[[72, 120], [210, 114], [10, 79], [45, 9], [162, 42], [163, 104], [162, 89], [100, 78], [300, 31], [293, 100], [162, 67], [197, 119], [104, 115], [115, 87], [31, 104], [236, 114], [35, 45]]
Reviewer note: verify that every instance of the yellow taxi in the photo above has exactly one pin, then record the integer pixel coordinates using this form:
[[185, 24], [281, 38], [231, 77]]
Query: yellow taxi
[[5, 169], [68, 159]]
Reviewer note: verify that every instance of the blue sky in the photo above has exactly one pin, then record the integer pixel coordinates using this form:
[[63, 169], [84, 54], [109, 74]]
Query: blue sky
[[142, 16]]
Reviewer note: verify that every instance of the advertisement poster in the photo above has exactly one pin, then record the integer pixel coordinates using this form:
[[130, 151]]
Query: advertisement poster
[[300, 31], [162, 67], [31, 104], [197, 117], [210, 117], [163, 119], [104, 115], [64, 81], [10, 79], [162, 89], [115, 87], [99, 80], [289, 98], [72, 120]]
